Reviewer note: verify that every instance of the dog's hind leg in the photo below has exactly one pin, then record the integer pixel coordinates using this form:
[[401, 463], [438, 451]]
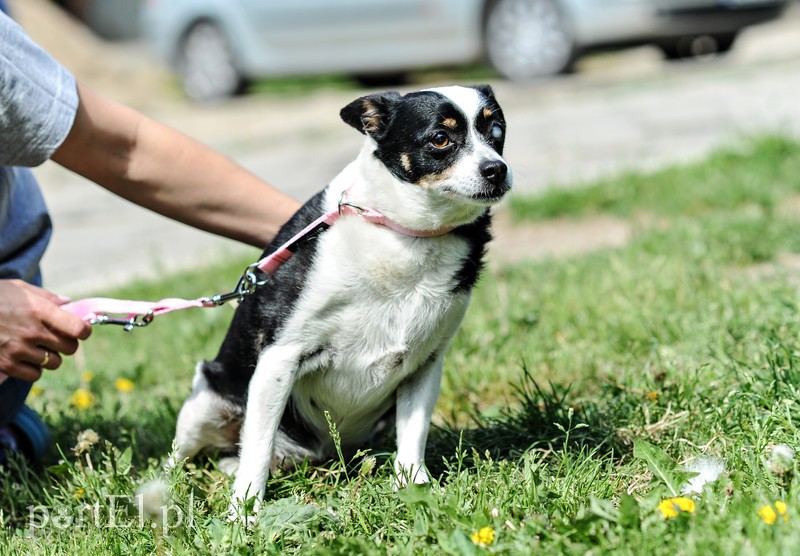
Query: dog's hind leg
[[267, 396], [206, 420]]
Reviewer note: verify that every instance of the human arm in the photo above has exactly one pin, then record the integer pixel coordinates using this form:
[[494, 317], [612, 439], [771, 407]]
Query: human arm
[[163, 170], [42, 116]]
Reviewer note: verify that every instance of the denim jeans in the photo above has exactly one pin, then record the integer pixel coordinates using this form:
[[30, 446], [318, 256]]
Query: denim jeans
[[13, 392]]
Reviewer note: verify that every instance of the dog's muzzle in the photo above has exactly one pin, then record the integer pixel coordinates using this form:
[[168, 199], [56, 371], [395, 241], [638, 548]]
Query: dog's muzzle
[[495, 175]]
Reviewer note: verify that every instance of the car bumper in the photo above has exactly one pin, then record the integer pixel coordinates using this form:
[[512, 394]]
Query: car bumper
[[721, 17]]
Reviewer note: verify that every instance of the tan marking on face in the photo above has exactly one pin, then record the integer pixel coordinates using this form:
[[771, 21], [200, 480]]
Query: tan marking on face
[[487, 112], [450, 122], [431, 181], [406, 162]]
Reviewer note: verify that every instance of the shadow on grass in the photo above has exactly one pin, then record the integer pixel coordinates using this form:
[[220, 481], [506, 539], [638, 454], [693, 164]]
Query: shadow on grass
[[544, 420]]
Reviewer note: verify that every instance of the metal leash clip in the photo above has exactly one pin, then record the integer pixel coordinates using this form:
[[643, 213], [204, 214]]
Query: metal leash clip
[[343, 203], [127, 324], [246, 286]]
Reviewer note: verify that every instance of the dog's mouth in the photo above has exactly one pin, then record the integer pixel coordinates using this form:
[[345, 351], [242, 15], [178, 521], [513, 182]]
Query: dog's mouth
[[484, 196]]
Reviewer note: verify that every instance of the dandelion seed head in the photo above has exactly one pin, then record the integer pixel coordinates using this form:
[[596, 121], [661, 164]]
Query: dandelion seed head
[[86, 439], [708, 470], [153, 499], [781, 459]]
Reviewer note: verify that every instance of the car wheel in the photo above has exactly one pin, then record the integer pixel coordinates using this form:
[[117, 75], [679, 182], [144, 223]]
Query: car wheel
[[206, 64], [526, 39], [374, 80], [698, 46], [725, 41]]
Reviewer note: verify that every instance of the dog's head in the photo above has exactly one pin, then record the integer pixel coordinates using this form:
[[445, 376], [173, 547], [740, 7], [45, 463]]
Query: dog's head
[[447, 140]]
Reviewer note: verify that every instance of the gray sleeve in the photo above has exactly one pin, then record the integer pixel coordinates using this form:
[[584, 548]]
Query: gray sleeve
[[38, 99]]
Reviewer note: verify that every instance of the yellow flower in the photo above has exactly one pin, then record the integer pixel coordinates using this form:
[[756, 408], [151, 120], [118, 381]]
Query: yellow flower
[[87, 376], [82, 398], [652, 396], [79, 493], [770, 512], [124, 385], [671, 507], [35, 391], [484, 536]]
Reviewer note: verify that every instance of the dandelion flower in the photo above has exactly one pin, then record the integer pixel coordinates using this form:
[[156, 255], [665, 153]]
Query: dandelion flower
[[770, 512], [87, 376], [79, 493], [82, 398], [653, 396], [35, 391], [708, 470], [671, 507], [123, 385], [483, 537]]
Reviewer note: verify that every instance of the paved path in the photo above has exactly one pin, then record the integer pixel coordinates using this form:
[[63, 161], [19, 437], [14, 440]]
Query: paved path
[[622, 111]]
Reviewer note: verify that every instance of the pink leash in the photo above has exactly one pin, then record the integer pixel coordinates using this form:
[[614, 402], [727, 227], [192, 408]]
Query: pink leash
[[96, 310]]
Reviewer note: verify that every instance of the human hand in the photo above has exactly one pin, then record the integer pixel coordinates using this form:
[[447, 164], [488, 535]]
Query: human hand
[[34, 330]]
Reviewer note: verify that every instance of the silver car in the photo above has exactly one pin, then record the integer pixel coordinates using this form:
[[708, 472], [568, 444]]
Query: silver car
[[216, 46]]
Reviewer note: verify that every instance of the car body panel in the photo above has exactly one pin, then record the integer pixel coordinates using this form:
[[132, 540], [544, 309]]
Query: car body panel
[[295, 37], [311, 36], [631, 21]]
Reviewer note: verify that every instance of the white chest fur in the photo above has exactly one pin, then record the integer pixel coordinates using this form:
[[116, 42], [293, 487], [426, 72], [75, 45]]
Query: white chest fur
[[377, 305]]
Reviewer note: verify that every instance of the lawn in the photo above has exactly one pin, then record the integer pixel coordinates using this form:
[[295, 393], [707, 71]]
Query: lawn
[[579, 395]]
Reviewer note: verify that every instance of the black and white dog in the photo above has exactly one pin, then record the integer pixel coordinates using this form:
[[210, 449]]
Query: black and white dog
[[357, 322]]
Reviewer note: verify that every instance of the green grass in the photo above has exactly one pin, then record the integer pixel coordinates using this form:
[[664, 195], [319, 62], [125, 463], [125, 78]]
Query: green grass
[[302, 85], [572, 392]]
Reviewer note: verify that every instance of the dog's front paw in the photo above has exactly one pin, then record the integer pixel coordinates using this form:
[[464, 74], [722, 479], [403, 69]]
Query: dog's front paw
[[245, 501], [410, 474], [244, 511]]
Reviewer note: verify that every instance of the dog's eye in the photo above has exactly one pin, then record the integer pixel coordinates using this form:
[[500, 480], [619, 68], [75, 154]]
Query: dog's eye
[[497, 132], [440, 140]]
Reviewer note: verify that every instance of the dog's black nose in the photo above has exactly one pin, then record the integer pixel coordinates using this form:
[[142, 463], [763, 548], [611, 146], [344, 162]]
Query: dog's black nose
[[494, 171]]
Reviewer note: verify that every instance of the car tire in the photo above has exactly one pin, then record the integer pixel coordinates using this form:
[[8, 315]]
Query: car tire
[[375, 80], [528, 39], [698, 46], [725, 41], [207, 65]]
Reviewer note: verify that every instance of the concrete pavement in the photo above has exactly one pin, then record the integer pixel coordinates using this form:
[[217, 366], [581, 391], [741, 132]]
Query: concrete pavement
[[621, 111]]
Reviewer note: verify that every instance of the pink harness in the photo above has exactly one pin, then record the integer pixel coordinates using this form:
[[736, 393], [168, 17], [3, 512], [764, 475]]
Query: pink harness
[[96, 310]]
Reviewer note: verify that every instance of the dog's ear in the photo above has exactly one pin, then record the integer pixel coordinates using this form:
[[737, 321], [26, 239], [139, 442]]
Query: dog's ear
[[371, 114], [485, 90]]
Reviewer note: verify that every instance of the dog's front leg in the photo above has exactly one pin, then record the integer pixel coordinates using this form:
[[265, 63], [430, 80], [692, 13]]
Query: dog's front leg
[[416, 398], [267, 396]]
